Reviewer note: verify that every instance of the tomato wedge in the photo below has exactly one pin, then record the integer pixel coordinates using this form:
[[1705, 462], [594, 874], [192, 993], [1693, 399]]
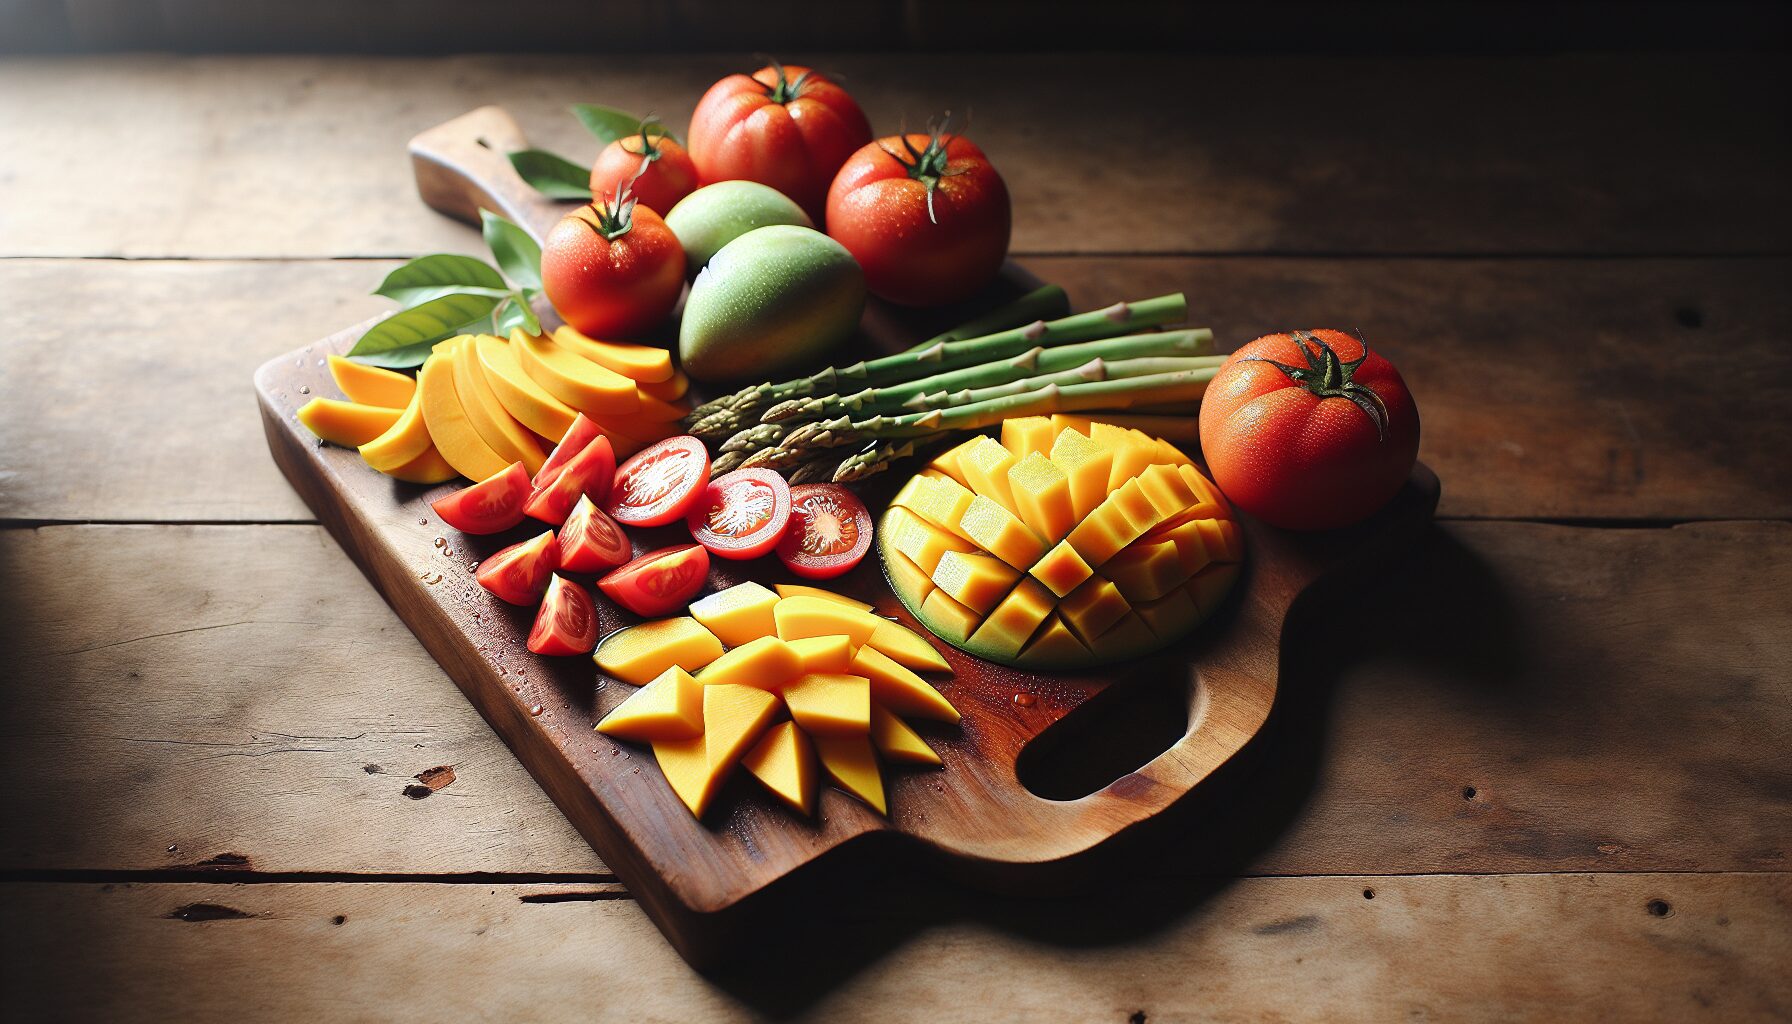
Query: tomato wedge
[[586, 474], [567, 621], [660, 483], [520, 572], [580, 434], [741, 514], [659, 582], [830, 531], [591, 541], [492, 505]]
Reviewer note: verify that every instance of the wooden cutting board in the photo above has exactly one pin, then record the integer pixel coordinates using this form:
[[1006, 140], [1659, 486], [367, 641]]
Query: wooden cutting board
[[706, 883]]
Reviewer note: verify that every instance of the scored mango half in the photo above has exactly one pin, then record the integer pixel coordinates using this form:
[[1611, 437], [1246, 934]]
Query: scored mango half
[[1067, 544]]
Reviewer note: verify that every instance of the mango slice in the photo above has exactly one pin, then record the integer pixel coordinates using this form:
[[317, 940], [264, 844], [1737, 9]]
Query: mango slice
[[920, 540], [404, 443], [948, 462], [1026, 435], [766, 663], [948, 619], [1130, 458], [1008, 628], [573, 379], [449, 428], [639, 654], [798, 617], [1093, 608], [668, 708], [1053, 645], [349, 424], [995, 529], [784, 760], [524, 399], [828, 704], [733, 717], [1167, 491], [1146, 571], [496, 427], [737, 615], [823, 653], [976, 581], [671, 389], [797, 590], [1061, 569], [642, 363], [985, 464], [852, 765], [898, 743], [905, 575], [896, 687], [1087, 465], [906, 647], [428, 468], [372, 385], [1042, 497], [942, 502]]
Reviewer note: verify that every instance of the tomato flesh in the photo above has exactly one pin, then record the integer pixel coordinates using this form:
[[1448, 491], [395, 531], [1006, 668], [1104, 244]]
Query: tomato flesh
[[829, 533], [659, 483], [566, 622], [591, 541], [519, 573], [741, 514], [492, 505], [580, 434], [587, 474], [659, 582]]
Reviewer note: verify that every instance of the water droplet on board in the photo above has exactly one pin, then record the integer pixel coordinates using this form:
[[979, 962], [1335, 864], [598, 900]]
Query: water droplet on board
[[441, 542], [422, 522], [536, 711], [1025, 700], [448, 552], [304, 389]]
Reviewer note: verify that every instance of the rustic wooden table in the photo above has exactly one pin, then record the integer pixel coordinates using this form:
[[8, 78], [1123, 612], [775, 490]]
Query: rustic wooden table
[[1538, 771]]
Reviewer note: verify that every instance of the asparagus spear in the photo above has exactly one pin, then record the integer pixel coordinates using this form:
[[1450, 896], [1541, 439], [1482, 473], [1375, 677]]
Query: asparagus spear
[[1094, 369], [1047, 302]]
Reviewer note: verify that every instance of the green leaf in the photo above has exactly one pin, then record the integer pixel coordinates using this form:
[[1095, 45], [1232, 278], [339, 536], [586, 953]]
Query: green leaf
[[517, 253], [428, 277], [420, 327], [407, 358], [610, 124], [553, 176], [516, 313]]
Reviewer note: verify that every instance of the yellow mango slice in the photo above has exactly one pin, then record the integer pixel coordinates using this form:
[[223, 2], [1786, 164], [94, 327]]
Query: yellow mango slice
[[784, 760], [573, 379], [733, 718], [372, 385], [1027, 435], [947, 462], [798, 617], [639, 654], [643, 363], [823, 653], [825, 703], [1213, 504], [1061, 569], [996, 530], [767, 663], [1170, 615], [1121, 519], [906, 577], [1170, 455], [900, 690], [952, 621], [985, 464], [668, 708], [500, 430], [1041, 492], [403, 444], [897, 742], [906, 647], [1146, 571], [737, 615], [1130, 458], [449, 428], [798, 590], [1124, 638], [1087, 465], [671, 389], [1211, 585], [941, 501], [522, 397], [1191, 548], [851, 764], [920, 540], [976, 581], [1167, 491], [1137, 506], [1062, 422], [1221, 539], [428, 468], [349, 424], [1093, 608], [652, 410], [1014, 621], [1054, 644]]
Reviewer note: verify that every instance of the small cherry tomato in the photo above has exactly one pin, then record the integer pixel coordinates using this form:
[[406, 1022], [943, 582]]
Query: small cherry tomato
[[591, 541], [669, 176], [492, 505], [566, 622], [659, 483], [741, 514], [659, 582], [577, 437], [612, 269], [520, 572], [829, 533], [586, 474]]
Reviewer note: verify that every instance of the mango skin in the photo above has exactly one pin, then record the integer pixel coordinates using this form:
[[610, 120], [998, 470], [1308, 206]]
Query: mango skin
[[773, 299], [714, 215]]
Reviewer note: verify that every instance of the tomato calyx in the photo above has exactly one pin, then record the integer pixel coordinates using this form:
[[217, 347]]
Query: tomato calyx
[[928, 165], [785, 89], [1327, 376], [613, 217]]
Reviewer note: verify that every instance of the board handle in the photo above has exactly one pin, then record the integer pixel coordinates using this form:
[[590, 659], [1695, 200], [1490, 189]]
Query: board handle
[[463, 166]]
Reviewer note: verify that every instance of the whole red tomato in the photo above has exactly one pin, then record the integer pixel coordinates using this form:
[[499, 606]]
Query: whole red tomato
[[669, 176], [787, 127], [613, 269], [925, 215], [1309, 430]]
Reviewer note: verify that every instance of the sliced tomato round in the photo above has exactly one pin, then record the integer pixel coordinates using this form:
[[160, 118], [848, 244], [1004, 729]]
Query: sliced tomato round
[[741, 514], [577, 436], [586, 474], [659, 483], [492, 505], [659, 582], [519, 573], [566, 623], [591, 541], [829, 533]]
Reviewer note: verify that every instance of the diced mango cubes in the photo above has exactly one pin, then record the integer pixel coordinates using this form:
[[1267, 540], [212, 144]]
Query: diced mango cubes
[[974, 580]]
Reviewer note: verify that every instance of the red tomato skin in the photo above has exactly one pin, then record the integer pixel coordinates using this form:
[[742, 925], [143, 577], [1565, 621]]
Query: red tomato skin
[[519, 573], [566, 623], [673, 510], [586, 474], [739, 132], [669, 178], [492, 505], [591, 541], [580, 434], [660, 582], [879, 214], [824, 567], [618, 288], [1298, 461], [752, 543]]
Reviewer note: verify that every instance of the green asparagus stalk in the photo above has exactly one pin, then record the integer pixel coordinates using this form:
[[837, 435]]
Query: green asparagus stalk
[[1094, 369], [1047, 302]]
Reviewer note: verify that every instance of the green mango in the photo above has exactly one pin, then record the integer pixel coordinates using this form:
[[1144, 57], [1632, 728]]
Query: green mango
[[715, 215], [773, 299]]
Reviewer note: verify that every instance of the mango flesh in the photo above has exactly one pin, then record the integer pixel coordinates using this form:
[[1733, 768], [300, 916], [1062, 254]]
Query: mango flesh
[[737, 615], [349, 424], [639, 654], [851, 763], [798, 590], [897, 742], [450, 429], [372, 385], [770, 300], [828, 703], [496, 427], [714, 215], [669, 708], [767, 663], [733, 718], [784, 760]]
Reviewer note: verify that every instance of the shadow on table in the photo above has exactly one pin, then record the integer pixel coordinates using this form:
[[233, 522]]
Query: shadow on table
[[1441, 609]]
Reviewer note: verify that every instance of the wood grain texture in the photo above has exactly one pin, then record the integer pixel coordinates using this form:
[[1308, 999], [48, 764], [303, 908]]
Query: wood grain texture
[[1499, 948], [295, 156]]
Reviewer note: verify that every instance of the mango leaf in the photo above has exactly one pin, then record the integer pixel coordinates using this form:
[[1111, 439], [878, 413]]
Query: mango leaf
[[516, 313], [428, 277], [609, 124], [407, 358], [404, 338], [517, 254], [553, 176]]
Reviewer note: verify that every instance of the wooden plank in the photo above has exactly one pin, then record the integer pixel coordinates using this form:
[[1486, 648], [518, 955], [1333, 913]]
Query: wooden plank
[[302, 156], [1543, 666], [1544, 384], [1501, 948]]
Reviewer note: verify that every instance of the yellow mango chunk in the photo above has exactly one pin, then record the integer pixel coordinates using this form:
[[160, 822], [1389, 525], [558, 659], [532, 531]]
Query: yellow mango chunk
[[851, 764], [1170, 615], [737, 615], [510, 439], [784, 760], [1121, 519], [798, 617], [1006, 629], [1028, 435], [349, 424], [1130, 458], [1213, 505], [907, 578], [643, 363], [985, 463], [1211, 585], [1087, 466], [639, 654], [1170, 455], [900, 690], [948, 619], [1061, 569], [652, 410], [372, 385], [823, 653], [1063, 421], [911, 489], [906, 647], [671, 389], [1041, 493], [1146, 571], [428, 468], [828, 704], [1167, 491], [897, 742], [798, 590], [1125, 638], [996, 530], [573, 379], [976, 581], [948, 462], [941, 501], [920, 540], [1191, 548], [1093, 607], [527, 401], [733, 718], [403, 443], [1054, 644], [767, 663], [1137, 506], [449, 428], [668, 708]]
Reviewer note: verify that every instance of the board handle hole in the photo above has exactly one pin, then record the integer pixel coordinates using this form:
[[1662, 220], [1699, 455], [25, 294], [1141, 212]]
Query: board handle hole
[[1117, 733]]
